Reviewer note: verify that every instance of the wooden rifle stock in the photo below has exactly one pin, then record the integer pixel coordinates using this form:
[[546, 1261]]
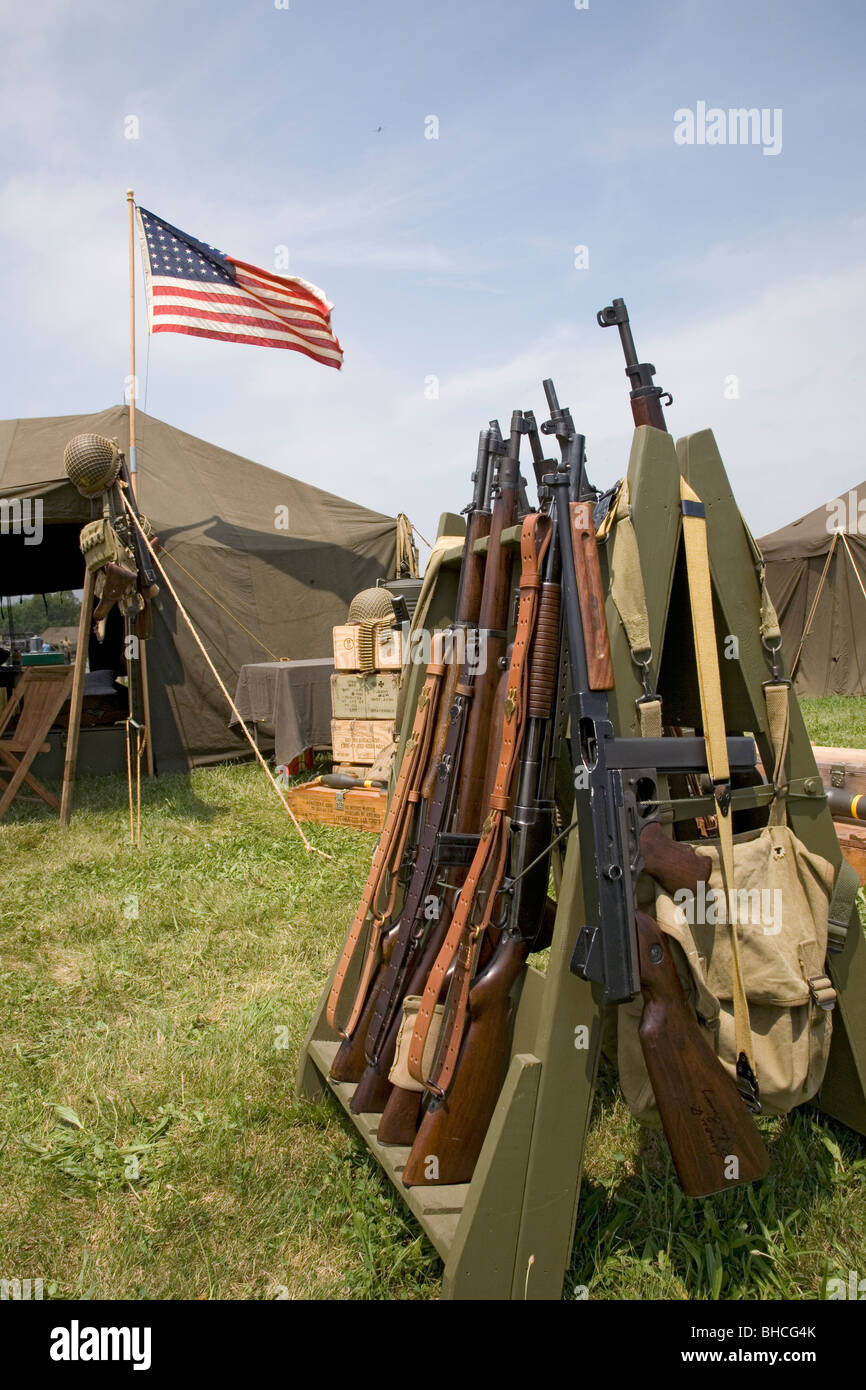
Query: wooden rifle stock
[[465, 616], [400, 1116], [591, 594], [647, 410], [492, 622], [471, 1072], [440, 734], [466, 777], [670, 863], [374, 1089], [399, 1121], [713, 1139], [453, 1129], [350, 1061]]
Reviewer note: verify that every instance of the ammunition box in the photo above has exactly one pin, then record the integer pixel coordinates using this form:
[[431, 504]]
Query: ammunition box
[[370, 695]]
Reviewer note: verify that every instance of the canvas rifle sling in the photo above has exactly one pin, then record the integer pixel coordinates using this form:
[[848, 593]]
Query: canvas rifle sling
[[629, 598], [389, 850], [713, 716], [462, 937], [771, 633], [776, 696]]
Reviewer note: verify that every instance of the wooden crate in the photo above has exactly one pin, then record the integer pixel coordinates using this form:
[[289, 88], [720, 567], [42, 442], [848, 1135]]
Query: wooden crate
[[853, 844], [843, 768], [389, 649], [364, 695], [360, 740], [361, 809], [388, 655], [346, 648]]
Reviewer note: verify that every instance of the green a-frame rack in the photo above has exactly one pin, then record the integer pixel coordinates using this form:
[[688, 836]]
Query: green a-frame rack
[[507, 1234]]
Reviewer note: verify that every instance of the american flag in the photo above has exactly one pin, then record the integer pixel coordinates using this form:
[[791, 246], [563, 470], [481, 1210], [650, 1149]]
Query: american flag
[[194, 288]]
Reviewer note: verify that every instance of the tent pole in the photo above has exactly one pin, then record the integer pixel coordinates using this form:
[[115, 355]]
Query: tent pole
[[76, 698], [133, 464], [811, 618], [853, 563]]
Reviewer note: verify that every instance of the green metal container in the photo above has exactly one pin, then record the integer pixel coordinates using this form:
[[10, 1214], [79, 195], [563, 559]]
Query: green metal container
[[43, 658]]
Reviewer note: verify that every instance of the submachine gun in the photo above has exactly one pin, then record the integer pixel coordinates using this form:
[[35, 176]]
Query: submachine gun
[[705, 1116]]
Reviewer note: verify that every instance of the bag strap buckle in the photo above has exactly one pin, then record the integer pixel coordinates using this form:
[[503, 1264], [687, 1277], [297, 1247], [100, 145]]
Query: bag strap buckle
[[822, 991]]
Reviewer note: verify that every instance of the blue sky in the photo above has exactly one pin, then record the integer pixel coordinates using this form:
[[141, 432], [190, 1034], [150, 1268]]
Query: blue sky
[[451, 257]]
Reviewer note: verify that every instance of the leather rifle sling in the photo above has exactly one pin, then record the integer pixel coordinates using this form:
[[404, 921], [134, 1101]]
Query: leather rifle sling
[[409, 934], [413, 796], [393, 837], [534, 539], [456, 1014]]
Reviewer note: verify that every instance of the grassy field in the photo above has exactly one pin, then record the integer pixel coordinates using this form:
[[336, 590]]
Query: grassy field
[[836, 721], [152, 1006]]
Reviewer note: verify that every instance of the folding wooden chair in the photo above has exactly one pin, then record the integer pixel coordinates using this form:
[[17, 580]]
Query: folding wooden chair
[[39, 695]]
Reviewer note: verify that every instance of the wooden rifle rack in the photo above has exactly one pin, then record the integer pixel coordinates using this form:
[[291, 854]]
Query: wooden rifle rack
[[508, 1233]]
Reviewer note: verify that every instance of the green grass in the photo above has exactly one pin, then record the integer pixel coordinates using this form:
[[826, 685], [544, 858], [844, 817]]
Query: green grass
[[836, 721], [153, 1004]]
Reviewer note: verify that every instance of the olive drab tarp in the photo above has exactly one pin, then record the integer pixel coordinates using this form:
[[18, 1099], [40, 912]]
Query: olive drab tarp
[[282, 556], [816, 575]]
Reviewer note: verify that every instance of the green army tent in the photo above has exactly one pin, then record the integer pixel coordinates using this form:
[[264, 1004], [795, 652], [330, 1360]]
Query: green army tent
[[816, 575], [282, 557]]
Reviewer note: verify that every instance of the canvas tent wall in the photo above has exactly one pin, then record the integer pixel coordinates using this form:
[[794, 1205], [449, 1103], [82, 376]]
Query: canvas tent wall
[[816, 575], [222, 518]]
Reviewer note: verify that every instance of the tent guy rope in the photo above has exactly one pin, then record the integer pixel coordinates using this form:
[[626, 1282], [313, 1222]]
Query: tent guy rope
[[227, 611], [308, 845], [811, 618]]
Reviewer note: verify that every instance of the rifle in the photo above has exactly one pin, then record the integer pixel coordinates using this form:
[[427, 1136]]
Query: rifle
[[456, 1120], [705, 1119], [350, 1061], [457, 796], [490, 447], [147, 579], [399, 1122], [455, 1123], [646, 397]]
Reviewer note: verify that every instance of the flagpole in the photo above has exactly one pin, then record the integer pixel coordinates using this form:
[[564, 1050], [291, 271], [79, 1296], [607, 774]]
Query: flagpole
[[133, 466], [133, 459]]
